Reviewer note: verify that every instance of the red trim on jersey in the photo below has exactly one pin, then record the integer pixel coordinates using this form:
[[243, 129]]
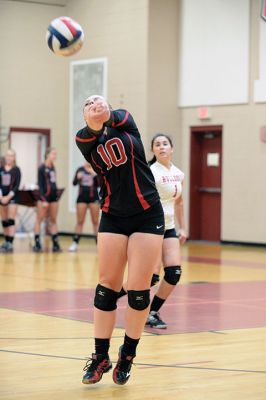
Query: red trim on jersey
[[142, 201], [78, 139], [114, 125], [72, 29], [106, 204]]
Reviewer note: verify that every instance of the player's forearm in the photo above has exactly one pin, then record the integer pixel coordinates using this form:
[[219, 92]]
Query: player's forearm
[[179, 212]]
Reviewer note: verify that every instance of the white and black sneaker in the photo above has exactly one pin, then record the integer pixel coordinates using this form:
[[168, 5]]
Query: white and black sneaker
[[6, 247], [154, 321], [73, 248]]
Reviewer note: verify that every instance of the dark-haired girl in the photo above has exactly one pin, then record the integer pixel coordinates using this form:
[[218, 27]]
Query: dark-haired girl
[[169, 183], [88, 198], [47, 205]]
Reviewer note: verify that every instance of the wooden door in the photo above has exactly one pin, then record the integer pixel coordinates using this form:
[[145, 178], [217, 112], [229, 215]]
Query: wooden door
[[205, 183]]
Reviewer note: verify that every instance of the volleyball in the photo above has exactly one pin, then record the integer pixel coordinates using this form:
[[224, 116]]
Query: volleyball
[[64, 36]]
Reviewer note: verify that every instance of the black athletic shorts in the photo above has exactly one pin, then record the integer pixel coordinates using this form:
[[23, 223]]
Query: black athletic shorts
[[82, 198], [148, 221], [170, 233], [51, 198]]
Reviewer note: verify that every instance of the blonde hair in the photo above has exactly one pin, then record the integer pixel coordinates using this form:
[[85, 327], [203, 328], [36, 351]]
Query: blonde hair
[[12, 151], [48, 151]]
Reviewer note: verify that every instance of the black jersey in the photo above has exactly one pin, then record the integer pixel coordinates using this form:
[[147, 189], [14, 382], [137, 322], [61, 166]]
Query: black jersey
[[47, 182], [10, 180], [88, 184], [117, 155]]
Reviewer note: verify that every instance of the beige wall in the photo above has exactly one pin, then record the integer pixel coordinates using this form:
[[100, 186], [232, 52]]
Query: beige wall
[[34, 83], [162, 82], [140, 38], [244, 156]]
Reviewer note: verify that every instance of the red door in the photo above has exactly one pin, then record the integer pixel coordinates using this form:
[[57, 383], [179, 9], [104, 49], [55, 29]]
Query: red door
[[205, 183]]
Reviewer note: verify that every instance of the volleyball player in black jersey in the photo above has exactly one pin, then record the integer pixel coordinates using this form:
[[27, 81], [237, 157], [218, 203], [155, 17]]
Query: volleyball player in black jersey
[[131, 231], [9, 184], [88, 197], [47, 206]]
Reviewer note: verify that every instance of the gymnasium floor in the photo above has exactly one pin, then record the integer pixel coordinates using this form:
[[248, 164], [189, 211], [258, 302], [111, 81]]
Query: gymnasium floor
[[214, 347]]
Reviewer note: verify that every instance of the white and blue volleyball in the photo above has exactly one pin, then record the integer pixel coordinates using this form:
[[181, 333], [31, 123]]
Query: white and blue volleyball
[[64, 36]]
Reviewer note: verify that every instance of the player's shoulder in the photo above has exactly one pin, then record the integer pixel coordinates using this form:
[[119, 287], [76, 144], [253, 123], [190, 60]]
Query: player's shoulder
[[41, 167], [177, 171], [156, 166]]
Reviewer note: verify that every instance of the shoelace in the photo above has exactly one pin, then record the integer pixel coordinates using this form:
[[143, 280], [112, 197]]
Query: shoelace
[[125, 365], [90, 364]]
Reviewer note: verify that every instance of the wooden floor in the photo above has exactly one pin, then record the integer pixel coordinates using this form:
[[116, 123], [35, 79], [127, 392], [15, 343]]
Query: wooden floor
[[214, 347]]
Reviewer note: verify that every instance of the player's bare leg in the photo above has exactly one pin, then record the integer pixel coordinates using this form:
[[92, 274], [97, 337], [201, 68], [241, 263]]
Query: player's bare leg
[[112, 251], [171, 261], [53, 211], [42, 212], [95, 212], [144, 252]]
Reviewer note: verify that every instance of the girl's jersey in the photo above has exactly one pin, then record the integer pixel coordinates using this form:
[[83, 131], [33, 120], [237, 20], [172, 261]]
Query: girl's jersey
[[10, 180], [116, 153], [169, 185], [47, 182], [88, 184]]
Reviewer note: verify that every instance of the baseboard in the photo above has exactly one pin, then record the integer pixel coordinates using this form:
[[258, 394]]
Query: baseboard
[[85, 235], [236, 243]]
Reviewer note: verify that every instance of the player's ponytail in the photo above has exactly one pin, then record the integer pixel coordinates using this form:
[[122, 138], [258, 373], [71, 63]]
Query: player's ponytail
[[152, 161]]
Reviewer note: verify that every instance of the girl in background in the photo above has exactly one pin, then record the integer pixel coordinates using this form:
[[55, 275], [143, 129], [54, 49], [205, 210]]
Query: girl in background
[[169, 182], [88, 197], [47, 205], [10, 177]]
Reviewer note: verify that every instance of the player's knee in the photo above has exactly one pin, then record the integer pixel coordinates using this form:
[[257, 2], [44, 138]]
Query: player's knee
[[155, 279], [11, 222], [172, 274], [5, 223], [139, 299], [105, 299]]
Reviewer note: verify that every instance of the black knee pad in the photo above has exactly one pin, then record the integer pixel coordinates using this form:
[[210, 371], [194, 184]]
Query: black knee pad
[[155, 279], [11, 222], [105, 299], [138, 299], [5, 223], [172, 275]]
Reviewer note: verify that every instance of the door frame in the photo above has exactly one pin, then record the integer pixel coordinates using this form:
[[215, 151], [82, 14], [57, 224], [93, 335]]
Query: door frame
[[194, 196], [41, 131]]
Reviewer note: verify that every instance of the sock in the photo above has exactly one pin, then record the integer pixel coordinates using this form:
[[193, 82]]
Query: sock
[[9, 239], [155, 279], [76, 238], [55, 239], [130, 345], [157, 303], [102, 346], [121, 293]]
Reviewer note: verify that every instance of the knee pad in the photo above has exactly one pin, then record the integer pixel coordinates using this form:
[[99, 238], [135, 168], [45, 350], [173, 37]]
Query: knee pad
[[105, 299], [172, 275], [155, 279], [11, 222], [138, 299], [5, 223]]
